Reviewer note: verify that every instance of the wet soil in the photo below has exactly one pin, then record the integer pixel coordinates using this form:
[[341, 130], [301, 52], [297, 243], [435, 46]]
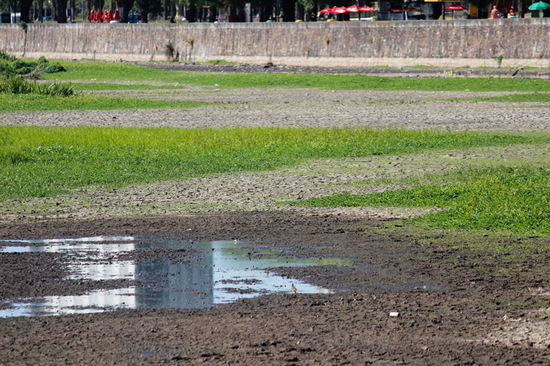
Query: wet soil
[[410, 297], [452, 306]]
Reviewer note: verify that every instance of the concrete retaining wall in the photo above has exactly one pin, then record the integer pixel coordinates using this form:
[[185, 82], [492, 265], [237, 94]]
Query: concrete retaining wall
[[515, 42]]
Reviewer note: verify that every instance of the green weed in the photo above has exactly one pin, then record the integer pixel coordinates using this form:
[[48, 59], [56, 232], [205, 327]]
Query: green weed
[[35, 102], [46, 161], [515, 199], [530, 97], [126, 72], [16, 85]]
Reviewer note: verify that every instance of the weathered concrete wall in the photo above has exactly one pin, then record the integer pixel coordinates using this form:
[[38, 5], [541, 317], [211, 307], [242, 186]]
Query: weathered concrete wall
[[473, 43]]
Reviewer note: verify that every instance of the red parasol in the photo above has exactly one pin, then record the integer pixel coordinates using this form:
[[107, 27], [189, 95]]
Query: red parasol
[[109, 15], [337, 10], [395, 10], [116, 16], [92, 16], [352, 9], [326, 11], [365, 8], [104, 17], [455, 7], [98, 15]]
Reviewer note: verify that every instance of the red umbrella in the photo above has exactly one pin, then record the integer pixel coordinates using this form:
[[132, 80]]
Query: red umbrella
[[116, 16], [98, 15], [337, 10], [352, 9], [105, 15], [365, 8], [455, 7], [109, 15], [92, 16], [395, 10], [326, 11]]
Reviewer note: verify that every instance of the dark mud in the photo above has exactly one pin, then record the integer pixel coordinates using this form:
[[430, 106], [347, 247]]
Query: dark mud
[[454, 306]]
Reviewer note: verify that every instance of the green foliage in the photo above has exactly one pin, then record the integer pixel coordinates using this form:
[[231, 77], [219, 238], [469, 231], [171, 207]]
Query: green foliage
[[6, 68], [492, 198], [23, 26], [24, 67], [16, 85], [10, 65], [46, 161], [6, 56]]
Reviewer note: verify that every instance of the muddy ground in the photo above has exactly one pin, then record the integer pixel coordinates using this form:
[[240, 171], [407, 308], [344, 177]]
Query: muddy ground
[[455, 305]]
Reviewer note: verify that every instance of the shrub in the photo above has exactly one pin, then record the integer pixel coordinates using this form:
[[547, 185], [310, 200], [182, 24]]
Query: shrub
[[53, 68], [14, 84], [24, 67], [6, 56]]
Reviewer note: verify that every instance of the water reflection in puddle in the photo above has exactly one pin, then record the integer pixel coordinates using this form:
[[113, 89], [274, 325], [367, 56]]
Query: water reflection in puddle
[[222, 272]]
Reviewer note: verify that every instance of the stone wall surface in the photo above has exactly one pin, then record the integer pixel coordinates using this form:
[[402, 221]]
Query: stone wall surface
[[513, 42]]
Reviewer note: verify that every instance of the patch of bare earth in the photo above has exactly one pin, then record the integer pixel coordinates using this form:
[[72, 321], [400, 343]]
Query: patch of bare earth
[[454, 306]]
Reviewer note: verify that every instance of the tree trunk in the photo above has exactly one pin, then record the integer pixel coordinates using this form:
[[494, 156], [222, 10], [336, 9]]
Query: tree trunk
[[126, 6], [25, 8], [54, 9], [62, 11], [288, 10], [266, 11], [299, 13]]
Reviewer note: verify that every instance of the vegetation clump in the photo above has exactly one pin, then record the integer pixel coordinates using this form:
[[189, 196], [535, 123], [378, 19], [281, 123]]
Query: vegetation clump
[[16, 85], [15, 74], [11, 65]]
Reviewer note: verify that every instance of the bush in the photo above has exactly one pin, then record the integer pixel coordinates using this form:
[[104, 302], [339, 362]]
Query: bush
[[10, 65], [6, 56], [14, 84], [6, 68], [24, 67], [53, 68]]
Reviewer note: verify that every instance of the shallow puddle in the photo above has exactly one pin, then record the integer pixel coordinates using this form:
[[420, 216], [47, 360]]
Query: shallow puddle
[[213, 273]]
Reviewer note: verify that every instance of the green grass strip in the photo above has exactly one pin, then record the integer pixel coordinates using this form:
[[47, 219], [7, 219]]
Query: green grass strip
[[514, 98], [117, 86], [40, 161], [127, 72], [35, 102], [515, 199]]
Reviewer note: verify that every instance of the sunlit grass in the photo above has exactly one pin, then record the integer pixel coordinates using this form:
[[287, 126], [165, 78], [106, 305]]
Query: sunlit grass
[[35, 102], [120, 86], [127, 72], [515, 199], [514, 98], [37, 161]]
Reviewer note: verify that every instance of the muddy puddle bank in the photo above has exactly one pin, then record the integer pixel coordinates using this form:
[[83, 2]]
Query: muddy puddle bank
[[473, 317], [155, 274]]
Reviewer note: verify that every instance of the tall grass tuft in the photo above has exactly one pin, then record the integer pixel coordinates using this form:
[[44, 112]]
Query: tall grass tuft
[[16, 85]]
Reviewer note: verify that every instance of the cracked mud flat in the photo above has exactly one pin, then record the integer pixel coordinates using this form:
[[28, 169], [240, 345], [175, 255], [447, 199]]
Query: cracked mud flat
[[453, 308]]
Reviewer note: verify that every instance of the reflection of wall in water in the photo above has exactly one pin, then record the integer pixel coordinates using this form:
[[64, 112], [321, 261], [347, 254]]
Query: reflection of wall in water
[[163, 284]]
